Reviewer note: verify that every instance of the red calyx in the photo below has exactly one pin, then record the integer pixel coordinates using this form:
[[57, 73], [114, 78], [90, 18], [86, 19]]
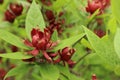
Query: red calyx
[[16, 9], [9, 16]]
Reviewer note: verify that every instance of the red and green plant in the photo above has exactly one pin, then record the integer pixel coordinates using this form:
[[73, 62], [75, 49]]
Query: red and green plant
[[59, 40]]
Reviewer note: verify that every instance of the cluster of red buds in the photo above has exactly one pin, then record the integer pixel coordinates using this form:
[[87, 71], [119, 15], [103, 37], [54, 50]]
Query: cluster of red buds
[[42, 43], [99, 33], [97, 4], [94, 77], [13, 11], [55, 22], [1, 1]]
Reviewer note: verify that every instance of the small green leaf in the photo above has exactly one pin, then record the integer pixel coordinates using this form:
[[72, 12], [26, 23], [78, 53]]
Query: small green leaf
[[117, 42], [115, 5], [104, 49], [34, 19], [17, 71], [5, 24], [54, 36], [16, 55], [49, 71], [68, 42], [12, 39]]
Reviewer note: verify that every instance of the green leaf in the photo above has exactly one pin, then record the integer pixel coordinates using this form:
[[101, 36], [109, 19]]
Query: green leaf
[[68, 42], [16, 55], [117, 70], [112, 25], [64, 70], [17, 71], [58, 4], [54, 36], [115, 5], [92, 16], [5, 24], [12, 39], [104, 49], [49, 71], [34, 19], [36, 77], [117, 42]]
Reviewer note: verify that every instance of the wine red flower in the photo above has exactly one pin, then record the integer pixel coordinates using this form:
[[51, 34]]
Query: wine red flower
[[66, 53], [16, 8], [9, 16], [93, 6], [65, 56]]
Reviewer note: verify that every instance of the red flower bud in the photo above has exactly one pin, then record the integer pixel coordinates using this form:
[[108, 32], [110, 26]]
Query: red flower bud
[[9, 16], [93, 6], [99, 33], [67, 53], [14, 48], [50, 15], [94, 77], [1, 1], [16, 9], [60, 14], [46, 2]]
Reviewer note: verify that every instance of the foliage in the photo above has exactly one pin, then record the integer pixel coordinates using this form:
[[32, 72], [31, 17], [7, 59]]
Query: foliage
[[59, 40]]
